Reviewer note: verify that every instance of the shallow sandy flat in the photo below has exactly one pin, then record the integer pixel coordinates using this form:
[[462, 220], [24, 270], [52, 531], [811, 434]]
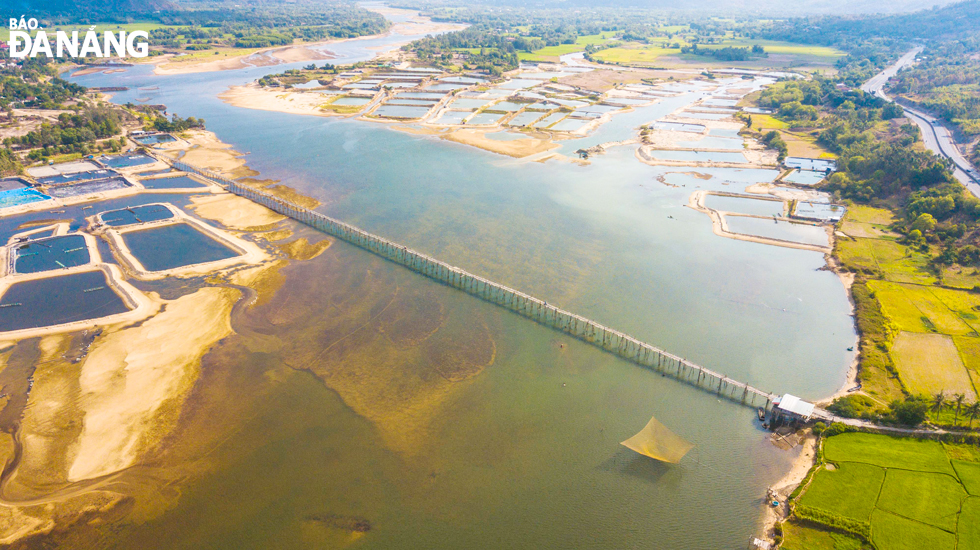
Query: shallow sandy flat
[[518, 148], [234, 212], [134, 381]]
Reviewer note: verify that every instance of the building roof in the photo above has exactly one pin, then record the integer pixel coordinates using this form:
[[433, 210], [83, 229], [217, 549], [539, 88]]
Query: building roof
[[795, 405]]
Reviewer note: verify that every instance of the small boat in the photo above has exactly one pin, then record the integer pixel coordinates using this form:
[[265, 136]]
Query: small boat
[[762, 413], [850, 348]]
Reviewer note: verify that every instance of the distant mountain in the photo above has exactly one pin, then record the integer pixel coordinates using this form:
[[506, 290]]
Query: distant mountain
[[738, 7], [90, 8], [948, 22]]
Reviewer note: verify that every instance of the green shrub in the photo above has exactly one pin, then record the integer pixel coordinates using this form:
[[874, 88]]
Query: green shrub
[[816, 515]]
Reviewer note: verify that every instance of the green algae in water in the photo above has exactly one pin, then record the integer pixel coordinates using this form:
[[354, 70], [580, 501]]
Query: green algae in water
[[172, 246]]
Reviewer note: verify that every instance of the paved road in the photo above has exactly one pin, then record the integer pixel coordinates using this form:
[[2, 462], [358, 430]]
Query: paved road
[[937, 137]]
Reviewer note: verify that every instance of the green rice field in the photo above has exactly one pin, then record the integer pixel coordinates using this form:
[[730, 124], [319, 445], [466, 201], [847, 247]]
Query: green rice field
[[909, 494]]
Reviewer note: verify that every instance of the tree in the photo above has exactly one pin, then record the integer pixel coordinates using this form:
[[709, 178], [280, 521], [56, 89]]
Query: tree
[[958, 400], [911, 412], [939, 402], [924, 223], [973, 411]]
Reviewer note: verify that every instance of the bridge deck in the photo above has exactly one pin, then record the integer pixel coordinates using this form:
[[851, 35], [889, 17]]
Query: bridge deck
[[584, 329]]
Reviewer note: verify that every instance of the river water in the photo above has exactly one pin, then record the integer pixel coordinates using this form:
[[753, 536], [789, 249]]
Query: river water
[[523, 453]]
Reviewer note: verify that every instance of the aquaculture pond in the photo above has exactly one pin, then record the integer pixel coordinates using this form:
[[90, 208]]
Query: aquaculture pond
[[56, 300], [399, 111], [549, 120], [17, 197], [805, 177], [76, 176], [125, 161], [178, 182], [713, 142], [678, 127], [699, 156], [172, 246], [468, 104], [52, 253], [88, 187], [136, 214], [447, 422], [756, 207], [155, 139], [704, 116], [453, 117], [819, 211], [778, 229], [351, 101], [410, 102], [525, 118], [485, 118]]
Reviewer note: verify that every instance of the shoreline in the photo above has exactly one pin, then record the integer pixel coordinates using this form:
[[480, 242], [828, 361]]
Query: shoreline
[[303, 51]]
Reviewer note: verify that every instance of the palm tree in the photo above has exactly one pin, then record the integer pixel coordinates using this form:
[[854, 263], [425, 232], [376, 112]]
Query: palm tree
[[973, 411], [939, 402], [958, 400]]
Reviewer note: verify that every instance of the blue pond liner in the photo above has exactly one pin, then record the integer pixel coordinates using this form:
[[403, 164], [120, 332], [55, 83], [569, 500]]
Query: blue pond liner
[[57, 300], [136, 214], [17, 197], [49, 254]]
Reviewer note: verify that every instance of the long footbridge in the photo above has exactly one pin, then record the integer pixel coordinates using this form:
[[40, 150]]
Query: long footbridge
[[610, 340]]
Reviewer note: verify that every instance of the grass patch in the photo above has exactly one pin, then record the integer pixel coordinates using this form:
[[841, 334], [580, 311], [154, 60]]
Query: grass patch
[[969, 347], [969, 474], [551, 53], [877, 371], [968, 530], [920, 309], [797, 536], [891, 532], [868, 214], [888, 452], [933, 499], [850, 491], [930, 363]]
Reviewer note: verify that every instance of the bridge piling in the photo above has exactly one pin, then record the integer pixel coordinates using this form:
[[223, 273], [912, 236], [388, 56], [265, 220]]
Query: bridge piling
[[588, 331]]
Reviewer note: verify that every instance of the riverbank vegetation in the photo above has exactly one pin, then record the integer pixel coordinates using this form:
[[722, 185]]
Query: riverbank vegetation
[[217, 27], [909, 237]]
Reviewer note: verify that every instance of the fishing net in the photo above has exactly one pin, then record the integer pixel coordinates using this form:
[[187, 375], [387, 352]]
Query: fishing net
[[656, 441]]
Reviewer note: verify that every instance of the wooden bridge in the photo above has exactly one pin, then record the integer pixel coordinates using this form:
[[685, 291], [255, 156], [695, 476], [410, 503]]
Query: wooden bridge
[[610, 340]]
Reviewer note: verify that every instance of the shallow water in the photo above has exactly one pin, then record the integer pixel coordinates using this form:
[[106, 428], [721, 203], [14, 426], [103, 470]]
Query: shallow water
[[526, 452]]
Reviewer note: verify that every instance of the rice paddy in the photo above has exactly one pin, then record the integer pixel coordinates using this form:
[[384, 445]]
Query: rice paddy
[[904, 492]]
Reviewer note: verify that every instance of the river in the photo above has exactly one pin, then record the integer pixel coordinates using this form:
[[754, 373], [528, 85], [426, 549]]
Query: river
[[525, 454]]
